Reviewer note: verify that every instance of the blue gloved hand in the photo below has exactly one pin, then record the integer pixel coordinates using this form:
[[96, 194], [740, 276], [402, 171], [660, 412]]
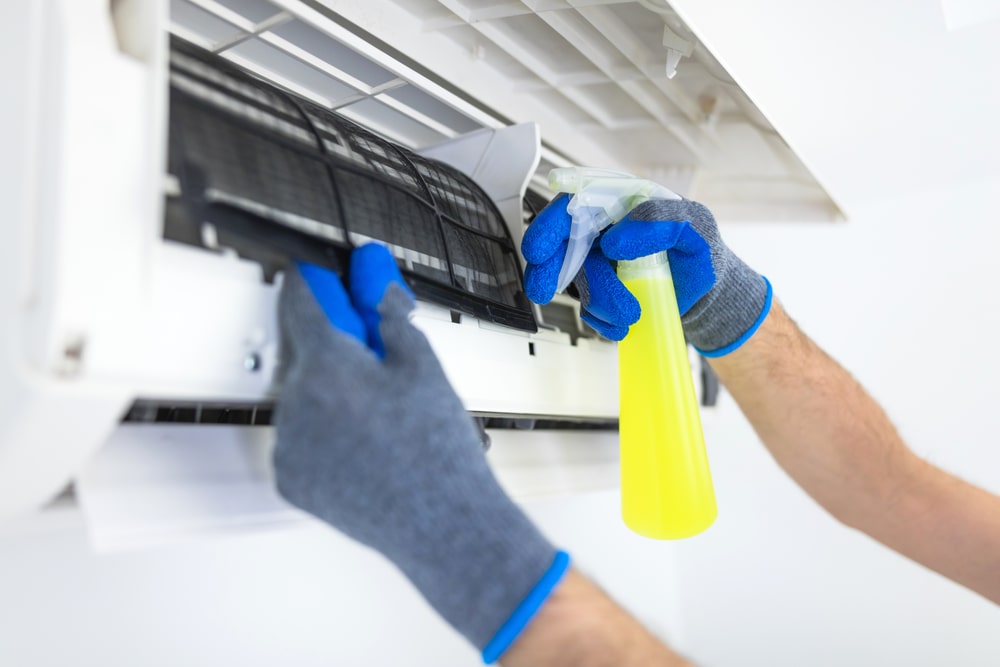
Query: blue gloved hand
[[373, 440], [722, 301]]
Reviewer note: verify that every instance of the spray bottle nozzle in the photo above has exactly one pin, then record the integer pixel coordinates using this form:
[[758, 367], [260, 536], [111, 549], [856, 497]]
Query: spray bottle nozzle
[[601, 197]]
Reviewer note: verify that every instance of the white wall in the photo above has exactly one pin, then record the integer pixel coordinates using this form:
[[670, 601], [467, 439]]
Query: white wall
[[299, 596]]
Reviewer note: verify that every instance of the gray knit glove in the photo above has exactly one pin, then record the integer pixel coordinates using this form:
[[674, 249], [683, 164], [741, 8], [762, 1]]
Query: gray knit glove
[[373, 440], [722, 301]]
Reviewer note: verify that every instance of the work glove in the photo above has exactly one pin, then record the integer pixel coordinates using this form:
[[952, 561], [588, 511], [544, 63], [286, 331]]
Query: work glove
[[373, 440], [722, 301]]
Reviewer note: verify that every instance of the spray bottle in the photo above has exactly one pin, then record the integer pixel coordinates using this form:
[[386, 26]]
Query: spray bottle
[[666, 485]]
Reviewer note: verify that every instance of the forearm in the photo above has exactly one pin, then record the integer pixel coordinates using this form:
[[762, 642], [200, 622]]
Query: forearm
[[815, 419], [837, 443], [580, 626]]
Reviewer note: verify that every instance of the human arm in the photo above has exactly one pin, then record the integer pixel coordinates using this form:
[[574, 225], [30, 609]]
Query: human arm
[[373, 440], [838, 444], [580, 626]]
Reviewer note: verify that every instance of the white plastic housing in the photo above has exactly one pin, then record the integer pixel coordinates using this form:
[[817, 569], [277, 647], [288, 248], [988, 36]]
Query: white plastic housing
[[98, 310]]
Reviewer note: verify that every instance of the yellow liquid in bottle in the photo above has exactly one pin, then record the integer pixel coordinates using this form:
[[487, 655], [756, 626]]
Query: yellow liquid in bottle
[[667, 488]]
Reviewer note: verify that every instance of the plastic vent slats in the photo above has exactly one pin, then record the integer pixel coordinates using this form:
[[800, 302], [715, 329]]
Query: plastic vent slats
[[277, 177]]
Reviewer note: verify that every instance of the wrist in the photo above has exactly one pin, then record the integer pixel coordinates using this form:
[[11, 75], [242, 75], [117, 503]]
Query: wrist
[[731, 313], [580, 626], [526, 611]]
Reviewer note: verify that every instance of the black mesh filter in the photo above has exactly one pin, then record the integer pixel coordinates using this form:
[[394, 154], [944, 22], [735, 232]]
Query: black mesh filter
[[275, 177]]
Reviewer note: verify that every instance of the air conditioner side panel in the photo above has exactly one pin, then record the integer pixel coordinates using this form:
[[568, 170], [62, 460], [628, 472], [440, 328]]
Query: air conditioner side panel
[[83, 126]]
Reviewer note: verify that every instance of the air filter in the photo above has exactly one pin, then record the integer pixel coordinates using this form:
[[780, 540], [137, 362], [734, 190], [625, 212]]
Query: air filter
[[275, 177]]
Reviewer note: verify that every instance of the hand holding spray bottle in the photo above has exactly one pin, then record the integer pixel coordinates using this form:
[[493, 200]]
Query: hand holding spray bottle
[[666, 484]]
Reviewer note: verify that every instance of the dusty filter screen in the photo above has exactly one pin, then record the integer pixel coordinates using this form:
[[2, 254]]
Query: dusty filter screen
[[275, 177]]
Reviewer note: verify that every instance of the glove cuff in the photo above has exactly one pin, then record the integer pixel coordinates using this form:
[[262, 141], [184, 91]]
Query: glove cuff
[[726, 317], [515, 624]]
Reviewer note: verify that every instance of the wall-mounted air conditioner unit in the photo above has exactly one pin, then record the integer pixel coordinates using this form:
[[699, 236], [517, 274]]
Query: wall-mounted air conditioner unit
[[165, 160]]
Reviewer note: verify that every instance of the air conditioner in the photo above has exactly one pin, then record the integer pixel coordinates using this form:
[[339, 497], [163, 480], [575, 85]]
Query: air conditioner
[[138, 292]]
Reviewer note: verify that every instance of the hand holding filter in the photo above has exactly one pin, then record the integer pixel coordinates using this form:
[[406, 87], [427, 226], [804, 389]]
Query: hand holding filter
[[667, 489], [373, 439]]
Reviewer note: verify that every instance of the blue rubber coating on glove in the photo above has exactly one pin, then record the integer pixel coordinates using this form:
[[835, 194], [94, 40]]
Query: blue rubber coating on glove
[[540, 280], [688, 252], [609, 331], [736, 344], [373, 269], [544, 248], [547, 232], [329, 293], [607, 299], [525, 611]]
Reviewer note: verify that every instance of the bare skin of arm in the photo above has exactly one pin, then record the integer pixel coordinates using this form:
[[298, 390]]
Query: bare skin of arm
[[580, 626], [835, 441]]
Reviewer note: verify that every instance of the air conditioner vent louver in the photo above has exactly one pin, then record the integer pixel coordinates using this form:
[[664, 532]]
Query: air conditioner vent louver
[[279, 177]]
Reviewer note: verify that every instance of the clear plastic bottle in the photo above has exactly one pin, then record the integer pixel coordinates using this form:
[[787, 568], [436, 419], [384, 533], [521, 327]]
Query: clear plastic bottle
[[667, 490]]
